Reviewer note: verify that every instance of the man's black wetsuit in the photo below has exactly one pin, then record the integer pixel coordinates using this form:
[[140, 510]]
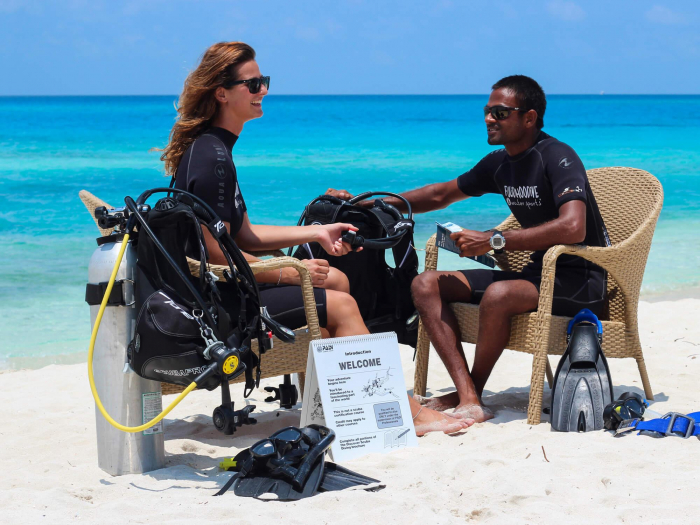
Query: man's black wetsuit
[[207, 170], [535, 184]]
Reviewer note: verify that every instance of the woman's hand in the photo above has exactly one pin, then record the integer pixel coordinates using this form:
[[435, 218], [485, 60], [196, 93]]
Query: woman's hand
[[318, 271], [329, 237]]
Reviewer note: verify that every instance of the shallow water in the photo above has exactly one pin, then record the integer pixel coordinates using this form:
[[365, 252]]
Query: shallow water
[[51, 148]]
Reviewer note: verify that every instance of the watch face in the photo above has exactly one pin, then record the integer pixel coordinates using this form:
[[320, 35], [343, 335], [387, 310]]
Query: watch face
[[498, 241]]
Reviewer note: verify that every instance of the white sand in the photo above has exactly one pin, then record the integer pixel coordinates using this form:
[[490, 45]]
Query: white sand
[[495, 472]]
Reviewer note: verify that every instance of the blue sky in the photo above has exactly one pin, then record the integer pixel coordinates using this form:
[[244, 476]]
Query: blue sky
[[96, 47]]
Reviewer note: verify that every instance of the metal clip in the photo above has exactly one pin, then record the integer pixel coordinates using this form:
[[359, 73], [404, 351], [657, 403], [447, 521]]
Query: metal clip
[[628, 425], [207, 333]]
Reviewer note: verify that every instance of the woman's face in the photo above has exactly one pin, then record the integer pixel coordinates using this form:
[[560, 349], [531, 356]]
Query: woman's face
[[241, 104]]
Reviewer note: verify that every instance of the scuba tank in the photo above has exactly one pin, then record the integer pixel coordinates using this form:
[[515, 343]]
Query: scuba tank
[[186, 332], [131, 398]]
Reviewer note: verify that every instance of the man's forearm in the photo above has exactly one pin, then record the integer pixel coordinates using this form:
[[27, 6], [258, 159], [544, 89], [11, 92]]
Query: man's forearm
[[428, 198]]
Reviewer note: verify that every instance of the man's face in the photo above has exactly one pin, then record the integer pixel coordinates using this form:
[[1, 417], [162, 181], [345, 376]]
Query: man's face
[[511, 129]]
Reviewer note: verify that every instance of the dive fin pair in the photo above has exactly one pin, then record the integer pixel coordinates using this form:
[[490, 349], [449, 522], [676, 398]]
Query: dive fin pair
[[324, 477]]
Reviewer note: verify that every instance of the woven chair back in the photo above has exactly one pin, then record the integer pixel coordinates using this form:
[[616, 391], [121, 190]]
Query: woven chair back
[[626, 197]]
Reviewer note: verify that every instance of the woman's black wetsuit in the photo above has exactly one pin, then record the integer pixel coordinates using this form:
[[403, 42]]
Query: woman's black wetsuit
[[207, 170]]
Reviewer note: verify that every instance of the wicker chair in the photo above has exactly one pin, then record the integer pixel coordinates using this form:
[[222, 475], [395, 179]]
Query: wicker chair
[[630, 201], [284, 358]]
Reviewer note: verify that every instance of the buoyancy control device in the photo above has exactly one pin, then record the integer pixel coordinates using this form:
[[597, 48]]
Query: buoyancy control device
[[189, 331], [382, 292]]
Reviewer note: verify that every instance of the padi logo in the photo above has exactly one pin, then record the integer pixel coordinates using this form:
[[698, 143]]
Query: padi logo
[[565, 163], [174, 305], [324, 348], [220, 171], [566, 191], [219, 226]]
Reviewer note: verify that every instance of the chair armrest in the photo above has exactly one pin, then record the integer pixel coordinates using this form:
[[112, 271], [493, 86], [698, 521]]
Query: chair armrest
[[307, 289], [607, 258], [431, 254]]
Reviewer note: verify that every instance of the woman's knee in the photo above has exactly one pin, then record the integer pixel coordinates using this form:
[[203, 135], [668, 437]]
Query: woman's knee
[[337, 281], [340, 303]]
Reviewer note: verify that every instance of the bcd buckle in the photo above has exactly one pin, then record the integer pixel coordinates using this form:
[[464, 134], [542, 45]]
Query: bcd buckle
[[673, 416]]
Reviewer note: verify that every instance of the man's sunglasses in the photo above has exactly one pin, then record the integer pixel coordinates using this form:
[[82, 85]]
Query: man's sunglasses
[[501, 112], [254, 84]]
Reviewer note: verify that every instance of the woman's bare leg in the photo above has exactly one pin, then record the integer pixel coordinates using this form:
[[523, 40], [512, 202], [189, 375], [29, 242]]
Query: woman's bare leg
[[343, 316]]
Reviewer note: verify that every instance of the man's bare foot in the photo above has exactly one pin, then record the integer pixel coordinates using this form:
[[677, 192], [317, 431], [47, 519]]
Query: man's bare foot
[[428, 420], [478, 413], [439, 403]]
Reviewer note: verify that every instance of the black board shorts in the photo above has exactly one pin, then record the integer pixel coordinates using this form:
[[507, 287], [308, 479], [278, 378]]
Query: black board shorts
[[285, 304], [574, 288]]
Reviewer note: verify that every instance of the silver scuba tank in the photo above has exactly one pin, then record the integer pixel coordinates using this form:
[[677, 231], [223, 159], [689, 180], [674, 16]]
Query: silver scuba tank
[[127, 397]]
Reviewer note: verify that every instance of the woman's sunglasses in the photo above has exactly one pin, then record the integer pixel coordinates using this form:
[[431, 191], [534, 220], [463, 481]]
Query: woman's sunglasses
[[501, 112], [254, 84]]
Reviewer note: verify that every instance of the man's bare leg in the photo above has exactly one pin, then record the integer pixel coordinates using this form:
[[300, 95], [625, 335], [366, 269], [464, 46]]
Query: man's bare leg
[[432, 291], [426, 420], [501, 301]]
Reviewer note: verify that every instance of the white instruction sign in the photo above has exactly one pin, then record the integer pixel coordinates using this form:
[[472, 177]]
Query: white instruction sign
[[355, 386], [152, 403]]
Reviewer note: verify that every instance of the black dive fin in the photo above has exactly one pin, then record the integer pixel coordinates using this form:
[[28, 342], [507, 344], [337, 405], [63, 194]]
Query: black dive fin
[[278, 487], [582, 385], [336, 477]]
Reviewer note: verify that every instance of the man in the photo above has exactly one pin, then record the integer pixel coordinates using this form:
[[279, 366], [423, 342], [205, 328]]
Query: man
[[546, 188]]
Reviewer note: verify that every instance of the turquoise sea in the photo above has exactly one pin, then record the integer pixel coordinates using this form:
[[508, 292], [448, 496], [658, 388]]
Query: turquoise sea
[[51, 148]]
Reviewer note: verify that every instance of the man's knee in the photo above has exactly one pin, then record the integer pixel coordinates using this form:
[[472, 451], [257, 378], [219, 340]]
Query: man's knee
[[425, 285], [509, 297]]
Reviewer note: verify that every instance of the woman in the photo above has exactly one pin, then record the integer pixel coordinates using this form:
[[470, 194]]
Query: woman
[[224, 92]]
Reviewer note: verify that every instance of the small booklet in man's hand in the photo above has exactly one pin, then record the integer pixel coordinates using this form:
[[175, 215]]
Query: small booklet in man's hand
[[443, 241]]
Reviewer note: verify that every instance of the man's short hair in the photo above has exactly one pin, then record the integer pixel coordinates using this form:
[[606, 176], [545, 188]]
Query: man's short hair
[[529, 93]]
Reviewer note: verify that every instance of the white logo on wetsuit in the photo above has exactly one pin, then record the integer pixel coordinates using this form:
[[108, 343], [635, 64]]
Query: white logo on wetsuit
[[237, 198], [565, 163], [530, 194]]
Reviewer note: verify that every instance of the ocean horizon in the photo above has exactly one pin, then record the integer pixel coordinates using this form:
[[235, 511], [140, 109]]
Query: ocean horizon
[[52, 147]]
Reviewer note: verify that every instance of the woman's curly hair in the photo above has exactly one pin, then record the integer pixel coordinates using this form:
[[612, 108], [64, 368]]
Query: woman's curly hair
[[197, 107]]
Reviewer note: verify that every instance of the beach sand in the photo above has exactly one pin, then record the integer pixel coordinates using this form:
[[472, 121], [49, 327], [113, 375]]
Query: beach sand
[[496, 472]]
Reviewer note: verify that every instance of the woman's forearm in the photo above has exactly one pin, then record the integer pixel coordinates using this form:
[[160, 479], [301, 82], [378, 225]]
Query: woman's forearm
[[259, 237]]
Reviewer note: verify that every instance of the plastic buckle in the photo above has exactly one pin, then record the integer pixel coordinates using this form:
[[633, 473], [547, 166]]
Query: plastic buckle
[[628, 425], [133, 292], [673, 417]]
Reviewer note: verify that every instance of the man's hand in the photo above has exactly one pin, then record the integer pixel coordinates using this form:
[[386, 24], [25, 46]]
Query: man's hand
[[472, 243], [343, 195], [329, 237]]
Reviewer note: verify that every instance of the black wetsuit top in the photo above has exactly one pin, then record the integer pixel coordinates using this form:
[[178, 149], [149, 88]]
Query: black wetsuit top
[[535, 184], [207, 170]]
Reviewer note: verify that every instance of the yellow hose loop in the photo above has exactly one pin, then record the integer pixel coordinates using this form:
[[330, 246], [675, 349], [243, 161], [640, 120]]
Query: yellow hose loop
[[91, 351]]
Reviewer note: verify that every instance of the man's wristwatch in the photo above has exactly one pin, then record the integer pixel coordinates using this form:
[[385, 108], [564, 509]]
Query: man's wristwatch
[[497, 241]]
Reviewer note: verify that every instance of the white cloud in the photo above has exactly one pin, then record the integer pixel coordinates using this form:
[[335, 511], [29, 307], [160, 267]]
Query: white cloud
[[570, 11], [663, 15]]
